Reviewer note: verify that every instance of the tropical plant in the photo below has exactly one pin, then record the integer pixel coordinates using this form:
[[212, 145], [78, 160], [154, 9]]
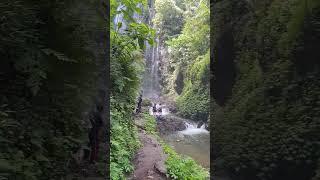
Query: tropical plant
[[127, 67]]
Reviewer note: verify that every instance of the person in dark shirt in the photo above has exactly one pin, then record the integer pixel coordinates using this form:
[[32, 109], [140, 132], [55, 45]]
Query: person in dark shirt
[[138, 110], [160, 109], [154, 108]]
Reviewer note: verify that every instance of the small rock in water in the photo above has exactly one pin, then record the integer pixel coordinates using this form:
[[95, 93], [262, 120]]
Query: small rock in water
[[180, 135]]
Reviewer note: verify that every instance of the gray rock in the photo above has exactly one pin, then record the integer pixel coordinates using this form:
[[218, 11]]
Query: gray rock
[[200, 124], [160, 167], [170, 123]]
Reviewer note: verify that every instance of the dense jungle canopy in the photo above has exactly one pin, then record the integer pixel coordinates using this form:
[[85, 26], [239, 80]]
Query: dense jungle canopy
[[53, 76], [265, 86], [263, 70]]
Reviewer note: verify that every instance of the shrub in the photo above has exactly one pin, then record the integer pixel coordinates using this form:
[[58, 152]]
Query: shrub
[[146, 102], [179, 167]]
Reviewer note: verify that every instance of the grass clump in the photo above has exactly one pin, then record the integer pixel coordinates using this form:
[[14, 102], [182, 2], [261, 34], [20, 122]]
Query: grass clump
[[124, 143], [146, 102], [179, 167], [150, 124]]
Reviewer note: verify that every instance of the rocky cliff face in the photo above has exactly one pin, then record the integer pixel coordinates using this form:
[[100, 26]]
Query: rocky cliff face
[[266, 88]]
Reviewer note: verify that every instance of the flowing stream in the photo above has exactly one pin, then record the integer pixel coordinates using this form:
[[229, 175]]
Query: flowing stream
[[195, 146], [192, 141]]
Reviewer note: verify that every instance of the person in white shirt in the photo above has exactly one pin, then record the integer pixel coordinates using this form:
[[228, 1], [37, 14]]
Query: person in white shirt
[[158, 109]]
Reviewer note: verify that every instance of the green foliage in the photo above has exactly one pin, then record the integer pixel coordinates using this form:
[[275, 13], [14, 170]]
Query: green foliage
[[194, 38], [187, 68], [270, 122], [168, 18], [127, 66], [194, 101], [146, 102], [127, 63], [128, 8], [124, 143], [179, 167], [150, 124], [48, 70]]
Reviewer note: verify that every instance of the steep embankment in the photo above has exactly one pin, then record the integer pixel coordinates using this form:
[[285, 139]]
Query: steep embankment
[[266, 88]]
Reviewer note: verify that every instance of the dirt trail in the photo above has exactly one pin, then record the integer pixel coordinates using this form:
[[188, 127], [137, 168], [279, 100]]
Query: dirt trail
[[149, 159]]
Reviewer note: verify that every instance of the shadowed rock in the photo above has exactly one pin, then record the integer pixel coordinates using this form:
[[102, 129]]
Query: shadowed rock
[[170, 123]]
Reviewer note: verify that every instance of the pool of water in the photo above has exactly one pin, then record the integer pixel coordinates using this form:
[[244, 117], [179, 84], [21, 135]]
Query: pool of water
[[193, 142]]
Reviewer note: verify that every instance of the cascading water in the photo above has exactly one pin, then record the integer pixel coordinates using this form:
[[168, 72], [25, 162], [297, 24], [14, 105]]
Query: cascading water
[[193, 142], [151, 86], [191, 129]]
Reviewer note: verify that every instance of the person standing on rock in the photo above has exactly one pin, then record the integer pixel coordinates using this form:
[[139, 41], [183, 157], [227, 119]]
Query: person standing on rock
[[160, 109], [154, 109]]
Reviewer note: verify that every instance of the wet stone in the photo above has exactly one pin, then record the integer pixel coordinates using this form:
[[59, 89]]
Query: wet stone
[[160, 167]]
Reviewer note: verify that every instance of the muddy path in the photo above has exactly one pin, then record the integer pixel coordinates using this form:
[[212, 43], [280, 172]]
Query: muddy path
[[149, 159]]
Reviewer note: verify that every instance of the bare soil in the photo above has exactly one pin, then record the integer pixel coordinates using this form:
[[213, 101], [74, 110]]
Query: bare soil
[[149, 160]]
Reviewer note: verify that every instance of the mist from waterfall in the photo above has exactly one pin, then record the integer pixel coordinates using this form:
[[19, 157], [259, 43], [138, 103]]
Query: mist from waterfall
[[151, 85]]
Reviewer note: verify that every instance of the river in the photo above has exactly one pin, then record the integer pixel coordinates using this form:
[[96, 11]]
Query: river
[[193, 142]]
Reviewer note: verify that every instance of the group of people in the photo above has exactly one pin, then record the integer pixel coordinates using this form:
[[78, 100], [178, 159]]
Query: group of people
[[157, 109]]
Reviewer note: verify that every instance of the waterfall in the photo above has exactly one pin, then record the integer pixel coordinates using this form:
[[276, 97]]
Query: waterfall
[[151, 85]]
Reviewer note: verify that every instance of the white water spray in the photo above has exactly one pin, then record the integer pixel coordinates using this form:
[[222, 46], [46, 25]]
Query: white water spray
[[165, 111], [191, 129]]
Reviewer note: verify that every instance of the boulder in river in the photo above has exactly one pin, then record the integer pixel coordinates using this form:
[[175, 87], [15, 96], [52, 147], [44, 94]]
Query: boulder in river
[[169, 123], [200, 124]]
